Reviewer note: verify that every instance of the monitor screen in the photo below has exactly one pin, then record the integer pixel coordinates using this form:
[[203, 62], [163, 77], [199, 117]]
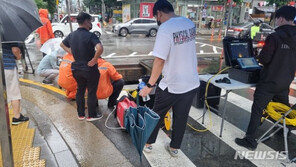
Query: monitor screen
[[248, 63], [240, 50]]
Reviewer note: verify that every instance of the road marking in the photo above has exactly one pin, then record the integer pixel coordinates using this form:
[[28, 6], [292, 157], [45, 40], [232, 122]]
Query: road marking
[[110, 55], [133, 54], [109, 33], [292, 100], [160, 157], [215, 49], [49, 87], [150, 54], [230, 132], [202, 45], [201, 52], [209, 45], [245, 103]]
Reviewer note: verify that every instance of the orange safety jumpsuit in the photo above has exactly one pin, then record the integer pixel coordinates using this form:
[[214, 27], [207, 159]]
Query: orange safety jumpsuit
[[105, 88], [45, 32]]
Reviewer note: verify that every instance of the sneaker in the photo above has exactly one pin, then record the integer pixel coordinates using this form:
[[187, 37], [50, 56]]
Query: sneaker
[[173, 153], [21, 119], [245, 143], [47, 82], [148, 149], [81, 118], [99, 116]]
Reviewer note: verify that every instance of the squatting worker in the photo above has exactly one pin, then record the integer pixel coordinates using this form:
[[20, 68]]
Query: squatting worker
[[82, 44], [175, 58], [278, 58]]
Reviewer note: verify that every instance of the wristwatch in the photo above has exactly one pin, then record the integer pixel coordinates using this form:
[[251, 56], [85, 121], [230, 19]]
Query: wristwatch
[[149, 85]]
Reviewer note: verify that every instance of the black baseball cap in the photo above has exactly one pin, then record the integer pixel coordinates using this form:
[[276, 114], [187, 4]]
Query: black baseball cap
[[162, 5]]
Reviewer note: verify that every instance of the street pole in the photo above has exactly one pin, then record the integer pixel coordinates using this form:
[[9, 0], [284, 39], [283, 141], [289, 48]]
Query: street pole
[[5, 134], [200, 15], [103, 9], [78, 1], [229, 15], [223, 19], [69, 15], [58, 13]]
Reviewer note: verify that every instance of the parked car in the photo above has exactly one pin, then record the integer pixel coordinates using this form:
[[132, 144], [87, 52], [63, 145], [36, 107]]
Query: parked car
[[62, 28], [239, 30], [145, 26], [243, 30]]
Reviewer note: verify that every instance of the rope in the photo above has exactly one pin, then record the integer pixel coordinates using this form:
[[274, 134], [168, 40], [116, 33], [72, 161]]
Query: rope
[[206, 102], [276, 110]]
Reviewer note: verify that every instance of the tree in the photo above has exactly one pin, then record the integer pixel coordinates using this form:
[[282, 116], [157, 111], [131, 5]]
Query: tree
[[46, 4], [41, 4], [92, 4], [278, 3], [51, 5]]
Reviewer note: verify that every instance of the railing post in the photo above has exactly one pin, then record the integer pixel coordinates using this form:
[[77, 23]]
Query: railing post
[[5, 135]]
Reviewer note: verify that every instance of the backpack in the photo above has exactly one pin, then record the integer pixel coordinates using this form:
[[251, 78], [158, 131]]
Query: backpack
[[123, 104]]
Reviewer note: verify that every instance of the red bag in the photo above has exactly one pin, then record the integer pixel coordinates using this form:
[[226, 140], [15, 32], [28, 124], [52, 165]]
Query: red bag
[[123, 104]]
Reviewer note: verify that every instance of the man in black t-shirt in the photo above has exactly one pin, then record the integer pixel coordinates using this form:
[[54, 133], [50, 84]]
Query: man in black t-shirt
[[82, 43]]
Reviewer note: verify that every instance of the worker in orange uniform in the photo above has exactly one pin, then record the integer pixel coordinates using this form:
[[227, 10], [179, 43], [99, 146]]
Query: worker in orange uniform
[[110, 83], [45, 32]]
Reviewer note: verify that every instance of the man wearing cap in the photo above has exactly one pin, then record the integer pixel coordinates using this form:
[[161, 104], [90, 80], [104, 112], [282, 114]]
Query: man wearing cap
[[175, 58], [82, 44]]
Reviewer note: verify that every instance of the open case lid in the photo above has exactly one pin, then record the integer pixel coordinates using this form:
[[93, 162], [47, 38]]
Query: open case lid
[[235, 48]]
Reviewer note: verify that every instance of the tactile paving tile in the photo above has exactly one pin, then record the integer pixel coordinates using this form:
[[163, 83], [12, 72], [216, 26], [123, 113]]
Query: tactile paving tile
[[38, 163], [31, 154], [24, 155]]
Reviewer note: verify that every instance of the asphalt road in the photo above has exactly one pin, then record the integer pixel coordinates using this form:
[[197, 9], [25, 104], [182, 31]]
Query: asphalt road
[[134, 45]]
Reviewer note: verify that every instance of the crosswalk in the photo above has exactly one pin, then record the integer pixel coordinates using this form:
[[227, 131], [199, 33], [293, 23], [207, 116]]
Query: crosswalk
[[159, 157]]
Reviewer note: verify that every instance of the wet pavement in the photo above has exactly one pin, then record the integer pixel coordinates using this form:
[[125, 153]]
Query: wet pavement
[[65, 141]]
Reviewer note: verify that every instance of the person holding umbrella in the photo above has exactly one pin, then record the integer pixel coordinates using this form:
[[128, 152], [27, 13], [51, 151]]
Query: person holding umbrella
[[11, 53], [175, 58], [82, 44]]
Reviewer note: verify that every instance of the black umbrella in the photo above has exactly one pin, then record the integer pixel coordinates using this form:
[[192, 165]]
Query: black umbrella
[[18, 19]]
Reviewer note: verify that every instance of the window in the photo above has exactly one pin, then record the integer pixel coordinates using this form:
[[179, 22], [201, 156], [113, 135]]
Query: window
[[73, 19], [93, 18], [146, 21], [65, 20], [138, 21]]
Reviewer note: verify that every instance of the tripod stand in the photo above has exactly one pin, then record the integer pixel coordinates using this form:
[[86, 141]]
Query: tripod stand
[[25, 54]]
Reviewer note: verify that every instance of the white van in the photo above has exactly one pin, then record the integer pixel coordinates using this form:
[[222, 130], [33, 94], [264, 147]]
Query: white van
[[62, 28]]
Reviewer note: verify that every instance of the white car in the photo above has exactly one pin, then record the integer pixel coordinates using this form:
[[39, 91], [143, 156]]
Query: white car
[[62, 28]]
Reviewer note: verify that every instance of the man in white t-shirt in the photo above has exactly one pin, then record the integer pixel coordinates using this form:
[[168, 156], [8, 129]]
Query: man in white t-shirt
[[175, 58]]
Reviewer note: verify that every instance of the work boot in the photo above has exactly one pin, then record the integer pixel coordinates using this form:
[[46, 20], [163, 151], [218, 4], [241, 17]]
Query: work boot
[[244, 142]]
